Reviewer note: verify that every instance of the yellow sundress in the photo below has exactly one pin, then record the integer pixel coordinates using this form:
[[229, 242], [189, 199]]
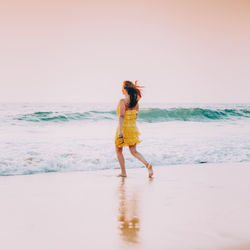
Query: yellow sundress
[[129, 129]]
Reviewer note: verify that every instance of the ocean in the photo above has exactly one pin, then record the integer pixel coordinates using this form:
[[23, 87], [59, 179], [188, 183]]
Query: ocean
[[54, 137]]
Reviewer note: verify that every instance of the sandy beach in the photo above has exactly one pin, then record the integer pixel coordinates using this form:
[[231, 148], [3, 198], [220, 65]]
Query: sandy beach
[[190, 207]]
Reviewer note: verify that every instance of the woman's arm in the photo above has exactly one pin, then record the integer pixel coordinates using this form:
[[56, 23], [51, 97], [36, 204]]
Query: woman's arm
[[121, 116]]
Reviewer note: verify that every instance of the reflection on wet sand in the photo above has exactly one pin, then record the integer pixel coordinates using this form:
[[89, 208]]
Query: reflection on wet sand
[[129, 223]]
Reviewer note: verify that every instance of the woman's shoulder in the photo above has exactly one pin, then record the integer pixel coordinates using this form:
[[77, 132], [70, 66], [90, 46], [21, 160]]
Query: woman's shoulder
[[125, 103], [122, 101]]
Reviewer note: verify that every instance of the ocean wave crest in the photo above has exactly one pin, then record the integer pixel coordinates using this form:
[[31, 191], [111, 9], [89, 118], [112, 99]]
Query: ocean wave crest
[[192, 114], [150, 115], [66, 116]]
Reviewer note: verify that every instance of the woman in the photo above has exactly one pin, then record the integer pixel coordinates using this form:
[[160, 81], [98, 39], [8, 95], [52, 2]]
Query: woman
[[127, 133]]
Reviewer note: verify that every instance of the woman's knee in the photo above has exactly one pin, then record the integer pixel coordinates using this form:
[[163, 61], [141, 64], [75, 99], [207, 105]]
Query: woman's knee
[[118, 150], [132, 150]]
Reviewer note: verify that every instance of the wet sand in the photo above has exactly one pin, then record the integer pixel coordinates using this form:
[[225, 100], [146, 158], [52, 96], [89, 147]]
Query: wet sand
[[183, 207]]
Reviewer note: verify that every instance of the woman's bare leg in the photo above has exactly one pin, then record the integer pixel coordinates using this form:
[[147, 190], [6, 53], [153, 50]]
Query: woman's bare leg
[[140, 157], [121, 161]]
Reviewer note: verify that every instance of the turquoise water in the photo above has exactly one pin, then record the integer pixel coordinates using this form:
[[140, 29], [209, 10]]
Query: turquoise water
[[145, 115], [51, 137]]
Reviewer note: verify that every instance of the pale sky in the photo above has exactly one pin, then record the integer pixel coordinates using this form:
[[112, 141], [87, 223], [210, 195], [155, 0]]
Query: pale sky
[[82, 51]]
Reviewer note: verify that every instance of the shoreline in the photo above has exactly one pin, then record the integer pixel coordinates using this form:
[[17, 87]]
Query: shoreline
[[101, 171], [200, 206]]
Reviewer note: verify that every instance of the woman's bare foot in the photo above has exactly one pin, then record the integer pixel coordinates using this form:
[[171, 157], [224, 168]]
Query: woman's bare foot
[[121, 175], [150, 170]]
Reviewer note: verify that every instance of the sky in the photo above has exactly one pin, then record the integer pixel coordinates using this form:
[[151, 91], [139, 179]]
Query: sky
[[82, 51]]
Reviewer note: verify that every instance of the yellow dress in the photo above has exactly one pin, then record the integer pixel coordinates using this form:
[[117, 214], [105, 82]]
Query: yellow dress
[[129, 129]]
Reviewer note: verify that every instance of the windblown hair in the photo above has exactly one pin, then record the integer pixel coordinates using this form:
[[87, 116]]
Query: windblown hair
[[134, 92]]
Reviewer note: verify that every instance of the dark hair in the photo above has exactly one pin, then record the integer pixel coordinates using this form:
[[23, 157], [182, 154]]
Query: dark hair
[[134, 92]]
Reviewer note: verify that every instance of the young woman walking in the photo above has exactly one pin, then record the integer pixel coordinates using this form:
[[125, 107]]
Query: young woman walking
[[127, 133]]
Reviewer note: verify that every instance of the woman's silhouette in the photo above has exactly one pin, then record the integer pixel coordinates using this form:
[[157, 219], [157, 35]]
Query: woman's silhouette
[[127, 133]]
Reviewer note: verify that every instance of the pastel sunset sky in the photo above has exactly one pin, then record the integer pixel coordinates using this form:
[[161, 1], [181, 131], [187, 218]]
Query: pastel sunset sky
[[82, 51]]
